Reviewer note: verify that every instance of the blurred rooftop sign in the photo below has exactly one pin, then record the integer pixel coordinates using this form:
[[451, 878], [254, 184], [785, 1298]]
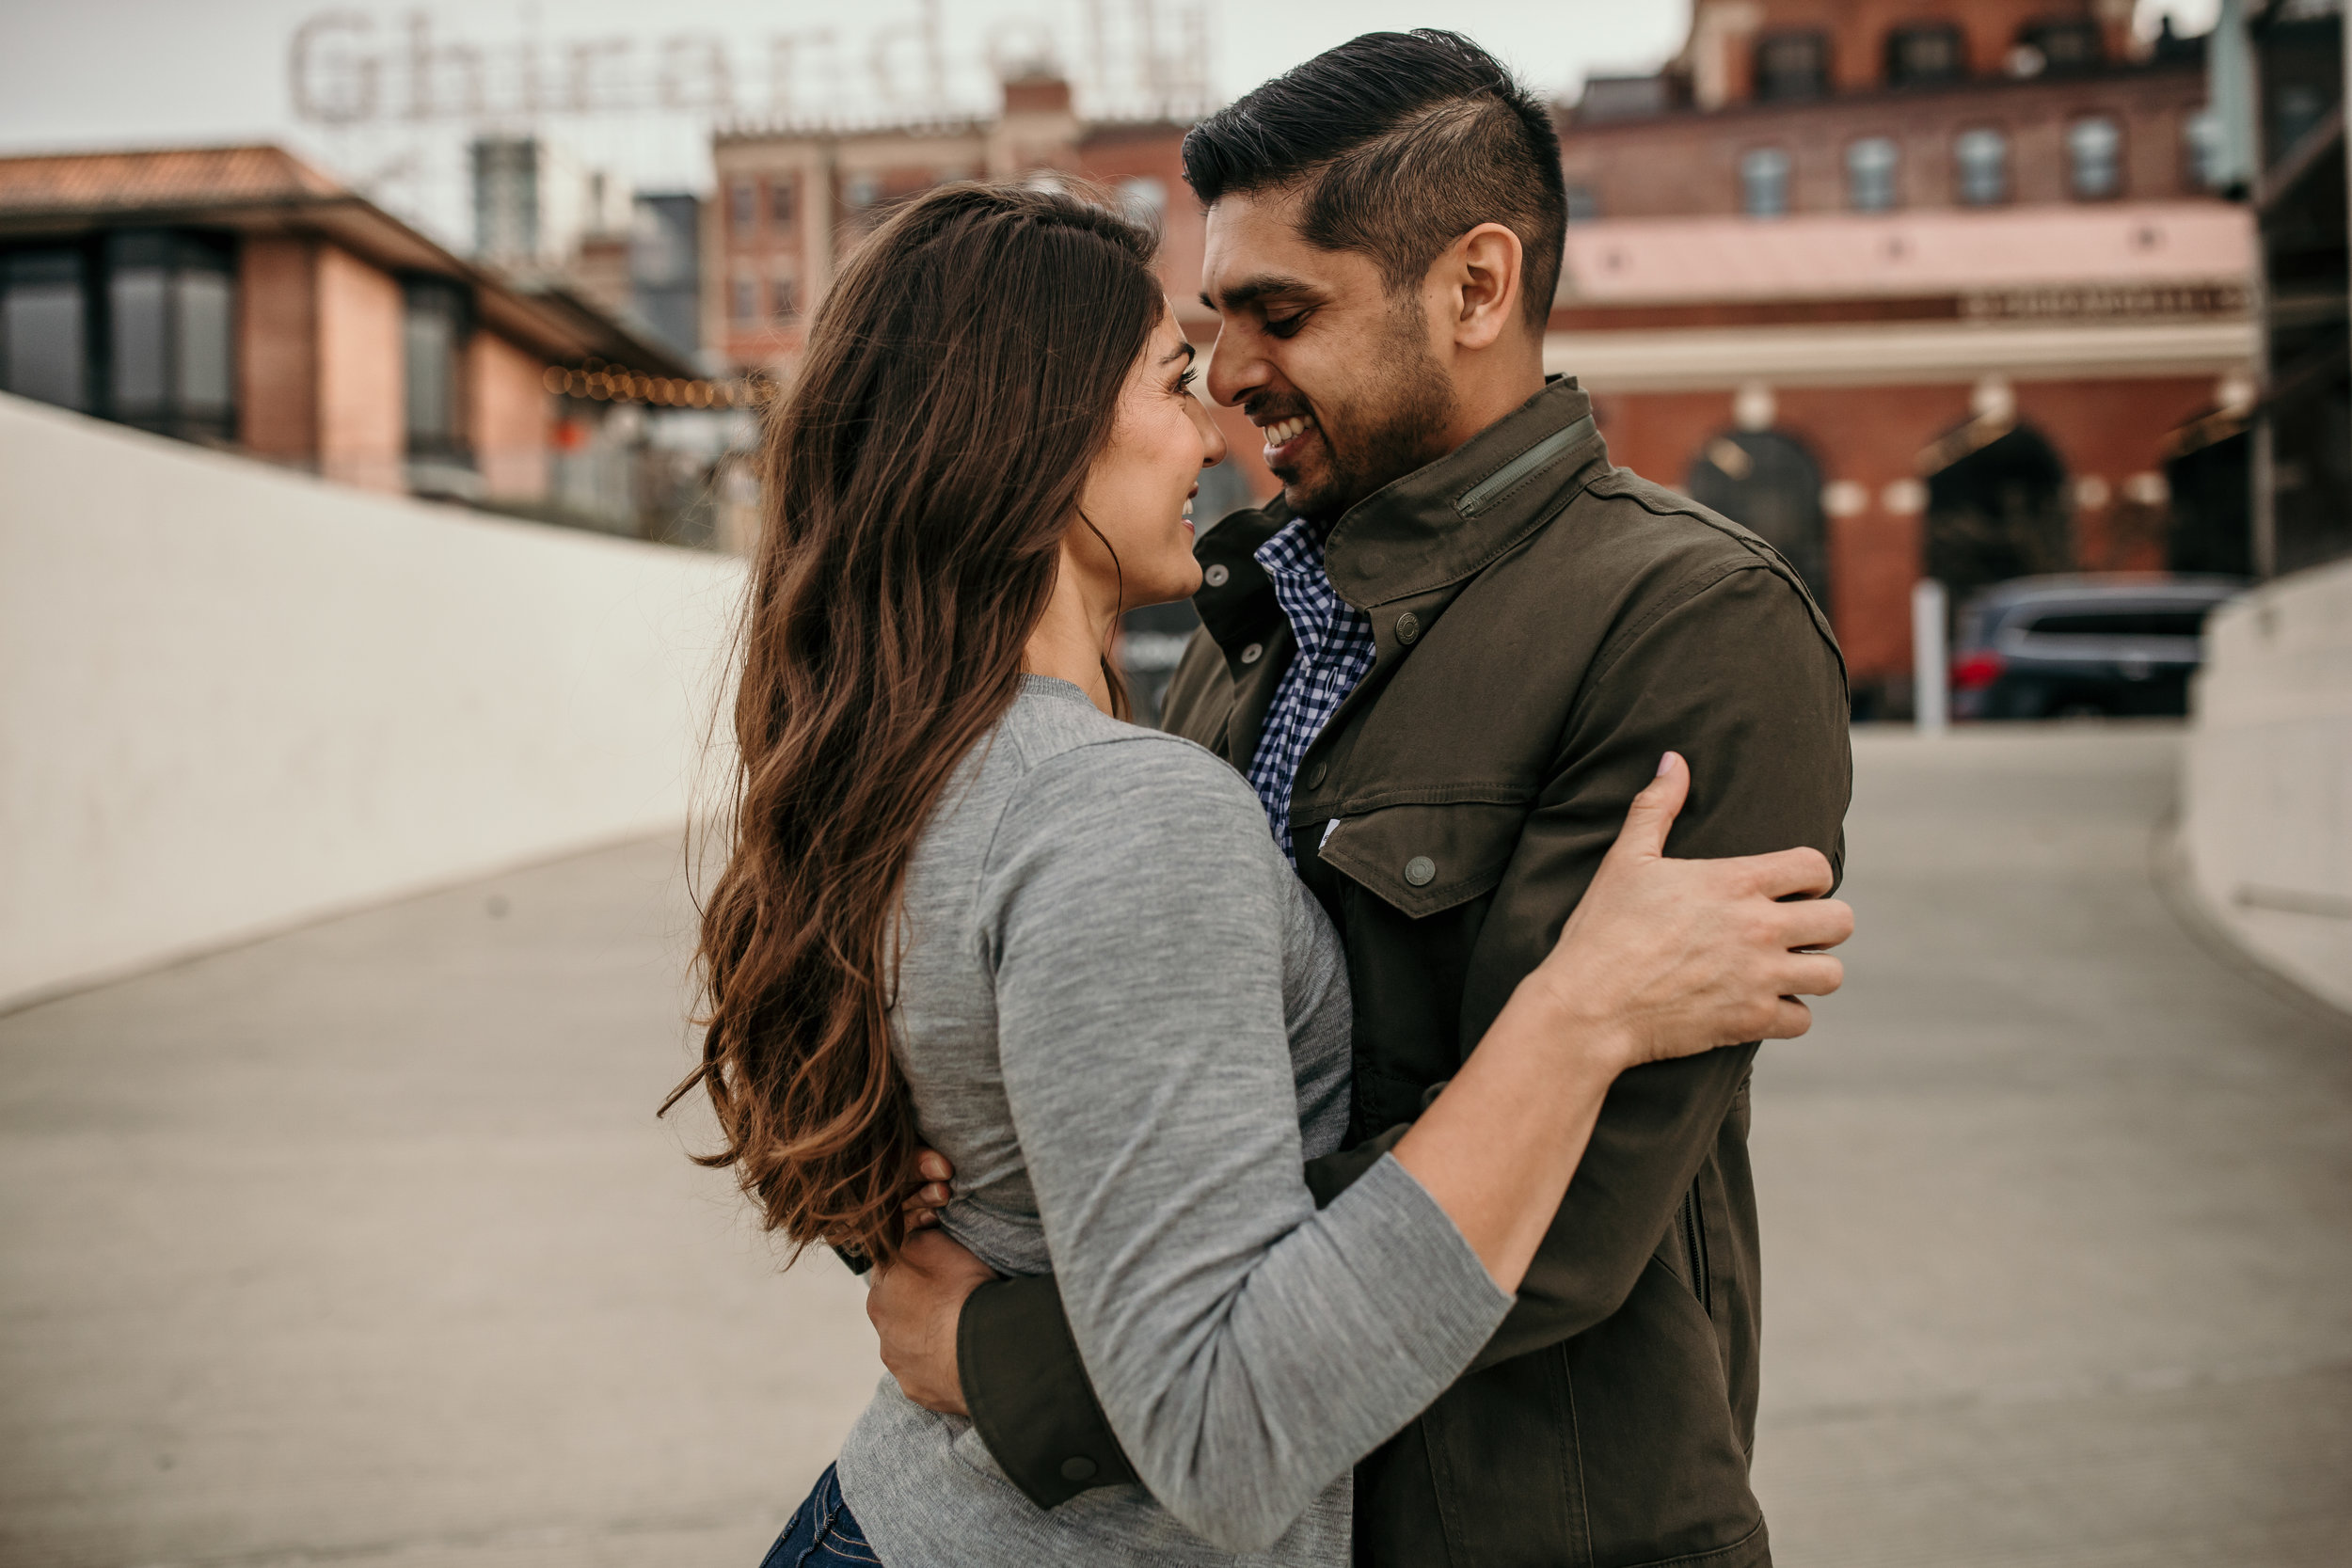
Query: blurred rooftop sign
[[347, 68]]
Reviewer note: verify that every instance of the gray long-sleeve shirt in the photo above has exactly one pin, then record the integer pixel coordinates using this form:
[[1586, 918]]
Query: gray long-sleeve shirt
[[1126, 1023]]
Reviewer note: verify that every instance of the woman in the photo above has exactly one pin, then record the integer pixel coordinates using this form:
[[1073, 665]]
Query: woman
[[964, 897]]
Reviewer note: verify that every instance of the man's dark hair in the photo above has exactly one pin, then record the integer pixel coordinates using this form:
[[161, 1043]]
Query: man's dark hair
[[1400, 144]]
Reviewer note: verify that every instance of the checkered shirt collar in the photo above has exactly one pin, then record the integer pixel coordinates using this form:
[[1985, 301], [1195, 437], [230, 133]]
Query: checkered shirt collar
[[1335, 649]]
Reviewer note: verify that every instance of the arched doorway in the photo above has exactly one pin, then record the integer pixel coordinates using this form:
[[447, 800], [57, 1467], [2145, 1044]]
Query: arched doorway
[[1768, 482], [1996, 506]]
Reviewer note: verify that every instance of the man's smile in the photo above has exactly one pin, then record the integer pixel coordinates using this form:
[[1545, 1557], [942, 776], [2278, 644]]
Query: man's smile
[[1284, 435]]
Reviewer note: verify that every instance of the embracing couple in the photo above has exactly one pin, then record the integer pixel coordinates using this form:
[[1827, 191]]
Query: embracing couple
[[1369, 1189]]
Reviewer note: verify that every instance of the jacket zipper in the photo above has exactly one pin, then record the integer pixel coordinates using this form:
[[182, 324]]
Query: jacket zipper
[[1543, 454]]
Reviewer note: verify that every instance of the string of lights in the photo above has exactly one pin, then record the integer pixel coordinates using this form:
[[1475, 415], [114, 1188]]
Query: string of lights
[[603, 383]]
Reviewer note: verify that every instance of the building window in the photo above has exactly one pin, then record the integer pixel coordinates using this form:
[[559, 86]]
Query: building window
[[744, 207], [510, 177], [436, 325], [784, 202], [1926, 56], [861, 190], [786, 294], [2061, 47], [45, 330], [137, 326], [2094, 158], [1609, 98], [171, 306], [1583, 203], [743, 301], [1871, 165], [1980, 158], [2296, 110], [1764, 182], [2204, 143], [1791, 66]]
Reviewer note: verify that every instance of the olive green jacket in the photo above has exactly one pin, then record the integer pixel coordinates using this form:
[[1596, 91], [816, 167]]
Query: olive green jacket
[[1547, 624]]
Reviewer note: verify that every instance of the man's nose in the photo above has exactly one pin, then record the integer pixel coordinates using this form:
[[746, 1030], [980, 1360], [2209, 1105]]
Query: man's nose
[[1234, 371]]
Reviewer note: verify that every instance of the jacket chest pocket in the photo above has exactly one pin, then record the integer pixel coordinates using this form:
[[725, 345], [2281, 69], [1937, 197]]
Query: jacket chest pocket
[[1415, 885], [1424, 860]]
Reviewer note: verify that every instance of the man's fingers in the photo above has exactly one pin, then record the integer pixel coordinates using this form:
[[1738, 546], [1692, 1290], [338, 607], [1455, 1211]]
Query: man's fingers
[[1809, 974], [1791, 1018], [1800, 873], [1813, 923], [1646, 821], [931, 1166]]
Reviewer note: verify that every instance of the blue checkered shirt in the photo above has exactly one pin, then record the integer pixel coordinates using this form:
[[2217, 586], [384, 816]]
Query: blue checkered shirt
[[1335, 648]]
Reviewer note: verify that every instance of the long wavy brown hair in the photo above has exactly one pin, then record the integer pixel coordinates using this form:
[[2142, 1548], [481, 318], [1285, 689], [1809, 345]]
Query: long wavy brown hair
[[960, 379]]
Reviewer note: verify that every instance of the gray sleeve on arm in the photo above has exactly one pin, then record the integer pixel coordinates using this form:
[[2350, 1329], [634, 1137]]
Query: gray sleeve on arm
[[1247, 1348]]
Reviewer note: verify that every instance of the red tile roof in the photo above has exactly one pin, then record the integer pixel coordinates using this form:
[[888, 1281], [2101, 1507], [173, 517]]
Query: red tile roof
[[86, 180]]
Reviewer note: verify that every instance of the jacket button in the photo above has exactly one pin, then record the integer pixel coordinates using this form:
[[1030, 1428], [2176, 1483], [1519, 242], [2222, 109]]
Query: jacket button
[[1080, 1468], [1408, 629], [1215, 576], [1421, 871], [1316, 775], [1251, 653]]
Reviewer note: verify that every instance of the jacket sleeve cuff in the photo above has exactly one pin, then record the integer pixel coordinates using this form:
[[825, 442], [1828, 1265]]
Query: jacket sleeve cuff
[[1028, 1396]]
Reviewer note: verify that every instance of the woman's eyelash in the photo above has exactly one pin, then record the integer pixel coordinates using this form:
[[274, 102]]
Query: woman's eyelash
[[1183, 382]]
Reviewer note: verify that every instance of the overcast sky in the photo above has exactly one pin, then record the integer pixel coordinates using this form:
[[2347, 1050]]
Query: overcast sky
[[90, 71], [146, 73]]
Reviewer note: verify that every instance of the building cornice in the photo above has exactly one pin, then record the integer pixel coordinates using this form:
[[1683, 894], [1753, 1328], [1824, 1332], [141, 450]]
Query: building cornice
[[1898, 353]]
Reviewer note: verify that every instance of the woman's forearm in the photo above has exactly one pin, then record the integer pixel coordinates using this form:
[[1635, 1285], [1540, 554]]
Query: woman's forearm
[[1660, 957], [1499, 1146]]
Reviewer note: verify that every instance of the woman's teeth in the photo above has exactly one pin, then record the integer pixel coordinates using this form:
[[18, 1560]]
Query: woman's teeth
[[1285, 431], [1188, 506]]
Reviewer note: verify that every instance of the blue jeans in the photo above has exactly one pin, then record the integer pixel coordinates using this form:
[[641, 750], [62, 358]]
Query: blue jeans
[[821, 1535]]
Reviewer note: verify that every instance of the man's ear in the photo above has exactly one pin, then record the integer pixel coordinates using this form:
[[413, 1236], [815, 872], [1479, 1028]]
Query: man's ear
[[1486, 268]]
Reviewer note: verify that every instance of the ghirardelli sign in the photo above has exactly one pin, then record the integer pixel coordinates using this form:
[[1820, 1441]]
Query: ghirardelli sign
[[351, 68]]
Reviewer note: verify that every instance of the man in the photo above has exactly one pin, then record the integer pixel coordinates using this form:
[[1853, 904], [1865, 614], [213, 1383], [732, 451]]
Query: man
[[1447, 657]]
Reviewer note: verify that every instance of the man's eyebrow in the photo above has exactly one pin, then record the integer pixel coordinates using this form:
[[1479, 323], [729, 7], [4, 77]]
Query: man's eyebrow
[[1251, 291]]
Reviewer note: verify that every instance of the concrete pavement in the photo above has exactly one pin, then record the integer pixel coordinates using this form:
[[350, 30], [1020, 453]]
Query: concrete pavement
[[361, 1246], [2056, 1255]]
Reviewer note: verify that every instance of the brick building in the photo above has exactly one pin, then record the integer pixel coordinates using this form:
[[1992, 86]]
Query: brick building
[[1911, 286], [239, 297], [792, 199]]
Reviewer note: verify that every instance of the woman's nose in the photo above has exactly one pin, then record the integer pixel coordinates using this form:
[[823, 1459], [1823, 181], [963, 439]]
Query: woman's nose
[[1212, 436]]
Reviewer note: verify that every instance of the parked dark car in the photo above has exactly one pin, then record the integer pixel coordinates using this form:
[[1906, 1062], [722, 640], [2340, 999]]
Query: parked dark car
[[2058, 647]]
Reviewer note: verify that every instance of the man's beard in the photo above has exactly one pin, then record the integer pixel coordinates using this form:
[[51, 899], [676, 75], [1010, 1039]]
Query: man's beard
[[1380, 443]]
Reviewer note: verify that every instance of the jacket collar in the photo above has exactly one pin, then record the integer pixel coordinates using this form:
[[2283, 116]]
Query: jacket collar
[[1236, 598], [1432, 528], [1446, 520]]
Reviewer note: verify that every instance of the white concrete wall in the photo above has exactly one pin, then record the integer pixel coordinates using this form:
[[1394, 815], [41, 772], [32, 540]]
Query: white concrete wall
[[2267, 818], [233, 697]]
